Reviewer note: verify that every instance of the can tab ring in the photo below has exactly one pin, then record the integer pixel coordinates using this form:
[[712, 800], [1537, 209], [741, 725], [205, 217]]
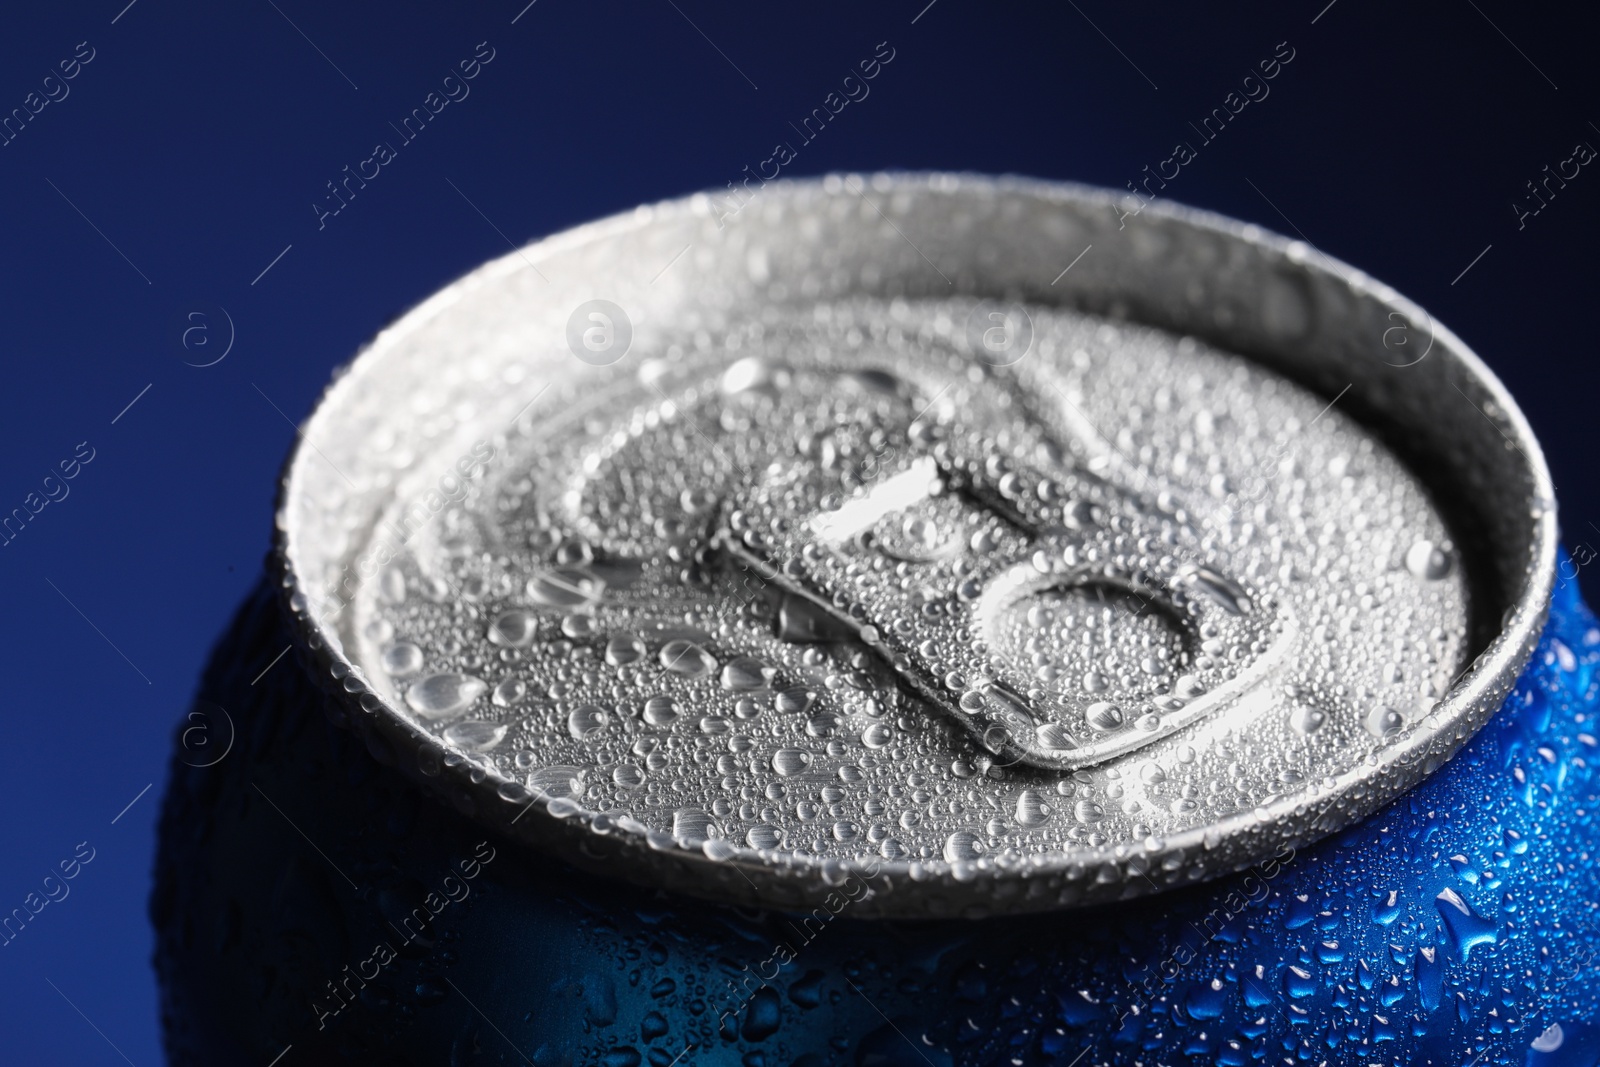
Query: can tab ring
[[934, 561]]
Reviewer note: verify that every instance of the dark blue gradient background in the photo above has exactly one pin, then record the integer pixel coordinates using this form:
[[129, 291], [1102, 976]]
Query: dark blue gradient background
[[201, 133]]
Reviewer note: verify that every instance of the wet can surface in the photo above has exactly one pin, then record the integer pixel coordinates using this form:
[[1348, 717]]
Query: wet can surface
[[868, 642]]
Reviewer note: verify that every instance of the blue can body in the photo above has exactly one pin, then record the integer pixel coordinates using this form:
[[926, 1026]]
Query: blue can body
[[310, 897]]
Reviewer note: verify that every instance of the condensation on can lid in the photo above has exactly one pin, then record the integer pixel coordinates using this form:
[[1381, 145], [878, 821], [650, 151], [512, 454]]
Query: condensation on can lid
[[992, 545]]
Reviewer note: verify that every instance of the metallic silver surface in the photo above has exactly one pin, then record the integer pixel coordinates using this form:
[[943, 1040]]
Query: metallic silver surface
[[854, 533]]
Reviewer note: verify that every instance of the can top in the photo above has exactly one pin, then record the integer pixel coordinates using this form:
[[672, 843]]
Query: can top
[[1009, 545]]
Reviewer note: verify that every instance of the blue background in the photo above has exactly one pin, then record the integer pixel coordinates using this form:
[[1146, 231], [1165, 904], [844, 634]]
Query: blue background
[[189, 151]]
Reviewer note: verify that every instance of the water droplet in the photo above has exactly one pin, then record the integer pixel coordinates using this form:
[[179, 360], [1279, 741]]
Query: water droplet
[[1429, 971], [691, 826], [800, 620], [1550, 1040], [514, 629], [718, 849], [1223, 591], [1467, 929], [821, 725], [509, 692], [1427, 561], [1306, 719], [475, 736], [623, 649], [565, 587], [402, 658], [1032, 810], [751, 372], [763, 1015], [1080, 514], [697, 500], [578, 627], [653, 1026], [794, 700], [585, 721], [963, 846], [764, 835], [574, 551], [1298, 983], [1054, 736], [660, 710], [1104, 715], [1206, 1000], [787, 761], [687, 658], [1384, 722], [628, 775], [746, 673], [441, 695], [392, 586], [556, 781]]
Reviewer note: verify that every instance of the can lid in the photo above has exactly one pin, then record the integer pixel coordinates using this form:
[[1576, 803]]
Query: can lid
[[1010, 545]]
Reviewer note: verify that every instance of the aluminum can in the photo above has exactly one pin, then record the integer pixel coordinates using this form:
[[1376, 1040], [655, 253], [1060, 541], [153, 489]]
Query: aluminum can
[[914, 619]]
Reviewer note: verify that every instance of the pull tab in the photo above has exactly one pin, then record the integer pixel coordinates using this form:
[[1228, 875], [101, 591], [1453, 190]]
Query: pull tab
[[1060, 619]]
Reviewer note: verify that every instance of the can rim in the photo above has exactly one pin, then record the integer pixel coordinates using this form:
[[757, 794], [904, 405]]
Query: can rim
[[1526, 589]]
